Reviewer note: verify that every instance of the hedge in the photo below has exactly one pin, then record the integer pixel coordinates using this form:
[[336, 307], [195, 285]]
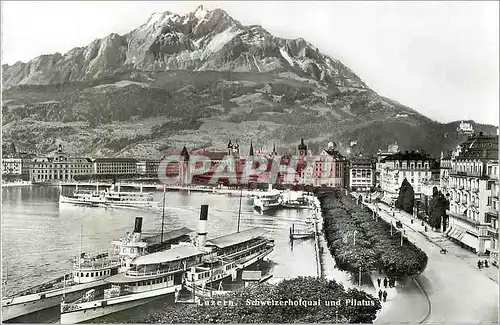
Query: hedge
[[375, 249], [244, 310]]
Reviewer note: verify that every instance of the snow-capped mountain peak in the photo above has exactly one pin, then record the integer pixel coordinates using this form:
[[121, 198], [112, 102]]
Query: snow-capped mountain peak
[[199, 40]]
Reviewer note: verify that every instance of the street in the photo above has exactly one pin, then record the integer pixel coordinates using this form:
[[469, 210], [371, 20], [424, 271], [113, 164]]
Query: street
[[457, 291]]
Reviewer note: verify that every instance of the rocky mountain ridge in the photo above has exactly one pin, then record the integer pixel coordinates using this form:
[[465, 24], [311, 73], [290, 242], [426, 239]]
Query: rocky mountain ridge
[[198, 41]]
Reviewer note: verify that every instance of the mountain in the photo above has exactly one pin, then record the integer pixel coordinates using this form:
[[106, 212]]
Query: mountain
[[200, 80], [199, 41]]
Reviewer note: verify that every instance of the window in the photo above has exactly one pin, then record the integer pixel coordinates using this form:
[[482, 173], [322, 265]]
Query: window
[[489, 201]]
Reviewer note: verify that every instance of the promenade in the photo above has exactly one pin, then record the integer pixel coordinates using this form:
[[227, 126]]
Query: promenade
[[457, 291]]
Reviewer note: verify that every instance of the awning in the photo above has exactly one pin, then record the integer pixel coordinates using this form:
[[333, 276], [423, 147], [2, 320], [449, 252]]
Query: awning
[[470, 240], [463, 237]]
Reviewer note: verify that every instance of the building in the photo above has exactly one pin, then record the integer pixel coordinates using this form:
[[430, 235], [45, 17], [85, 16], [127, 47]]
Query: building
[[326, 169], [361, 174], [148, 167], [465, 128], [16, 165], [114, 166], [393, 169], [391, 149], [473, 185], [492, 211], [58, 167], [12, 165]]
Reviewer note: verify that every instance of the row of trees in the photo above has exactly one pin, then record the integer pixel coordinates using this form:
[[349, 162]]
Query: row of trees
[[243, 308], [374, 247]]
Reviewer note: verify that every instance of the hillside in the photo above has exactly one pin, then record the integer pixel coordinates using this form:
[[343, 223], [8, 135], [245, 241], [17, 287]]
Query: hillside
[[199, 80]]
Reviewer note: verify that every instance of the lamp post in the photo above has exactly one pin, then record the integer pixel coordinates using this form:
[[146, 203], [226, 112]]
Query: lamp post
[[401, 238], [354, 237]]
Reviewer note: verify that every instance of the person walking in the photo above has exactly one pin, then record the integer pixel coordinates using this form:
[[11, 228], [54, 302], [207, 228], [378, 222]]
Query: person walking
[[385, 295], [385, 282], [378, 282], [485, 263], [479, 264], [380, 295]]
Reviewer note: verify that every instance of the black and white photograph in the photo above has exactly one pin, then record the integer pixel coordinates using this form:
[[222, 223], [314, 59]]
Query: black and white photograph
[[196, 162]]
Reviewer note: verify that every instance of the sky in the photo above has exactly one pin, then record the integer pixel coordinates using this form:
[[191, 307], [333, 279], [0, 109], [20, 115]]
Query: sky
[[439, 58]]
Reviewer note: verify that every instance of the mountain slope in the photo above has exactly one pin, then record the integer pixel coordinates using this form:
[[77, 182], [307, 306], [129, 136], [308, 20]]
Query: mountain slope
[[199, 80]]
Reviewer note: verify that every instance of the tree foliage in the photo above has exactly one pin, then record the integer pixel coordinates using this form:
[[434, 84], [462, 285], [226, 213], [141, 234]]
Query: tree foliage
[[375, 248], [305, 289], [406, 198], [437, 208]]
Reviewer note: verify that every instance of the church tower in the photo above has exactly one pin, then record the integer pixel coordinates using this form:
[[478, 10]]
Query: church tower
[[230, 148], [302, 148], [251, 149]]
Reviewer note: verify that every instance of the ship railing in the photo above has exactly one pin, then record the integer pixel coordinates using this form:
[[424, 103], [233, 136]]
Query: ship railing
[[133, 273], [49, 285]]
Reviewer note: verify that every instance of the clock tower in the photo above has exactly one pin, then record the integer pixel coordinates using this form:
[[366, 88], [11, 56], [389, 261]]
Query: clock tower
[[302, 148]]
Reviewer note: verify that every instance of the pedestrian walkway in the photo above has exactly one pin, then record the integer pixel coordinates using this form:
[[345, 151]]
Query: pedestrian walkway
[[456, 291], [440, 240]]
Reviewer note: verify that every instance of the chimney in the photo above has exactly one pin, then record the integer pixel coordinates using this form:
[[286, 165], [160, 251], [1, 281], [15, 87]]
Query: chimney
[[202, 228], [137, 229]]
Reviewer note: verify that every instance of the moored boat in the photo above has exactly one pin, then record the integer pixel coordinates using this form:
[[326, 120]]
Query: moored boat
[[267, 201], [89, 272], [156, 275], [110, 198]]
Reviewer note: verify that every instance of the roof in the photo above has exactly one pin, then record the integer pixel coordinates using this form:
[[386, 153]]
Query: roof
[[407, 156], [169, 255], [117, 159], [155, 239], [479, 146], [213, 155], [237, 237]]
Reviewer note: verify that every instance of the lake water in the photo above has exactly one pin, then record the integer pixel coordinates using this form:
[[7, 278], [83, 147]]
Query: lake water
[[41, 237]]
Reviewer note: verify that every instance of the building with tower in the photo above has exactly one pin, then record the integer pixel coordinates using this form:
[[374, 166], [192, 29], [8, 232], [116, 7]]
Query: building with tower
[[59, 167]]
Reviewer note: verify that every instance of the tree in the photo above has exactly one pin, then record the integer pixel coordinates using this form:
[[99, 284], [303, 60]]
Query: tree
[[437, 209], [406, 198]]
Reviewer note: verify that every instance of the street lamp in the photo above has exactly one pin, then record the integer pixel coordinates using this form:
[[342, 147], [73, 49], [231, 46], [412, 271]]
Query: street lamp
[[354, 239]]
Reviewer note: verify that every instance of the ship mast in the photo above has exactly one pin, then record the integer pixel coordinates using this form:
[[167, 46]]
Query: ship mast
[[163, 216], [239, 210], [81, 244]]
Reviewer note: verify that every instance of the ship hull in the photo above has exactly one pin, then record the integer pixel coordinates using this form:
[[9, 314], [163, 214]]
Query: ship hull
[[24, 305], [100, 308], [103, 203]]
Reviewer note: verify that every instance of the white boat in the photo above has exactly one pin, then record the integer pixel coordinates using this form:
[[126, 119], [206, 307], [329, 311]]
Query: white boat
[[271, 199], [150, 277], [156, 275], [226, 256], [89, 272], [110, 198]]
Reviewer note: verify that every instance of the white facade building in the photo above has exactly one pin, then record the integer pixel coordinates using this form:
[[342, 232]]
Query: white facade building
[[473, 189]]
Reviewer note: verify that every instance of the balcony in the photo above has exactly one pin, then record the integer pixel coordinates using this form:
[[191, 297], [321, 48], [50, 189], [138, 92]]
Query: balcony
[[475, 190], [461, 173], [493, 176], [460, 187], [462, 217], [493, 231]]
